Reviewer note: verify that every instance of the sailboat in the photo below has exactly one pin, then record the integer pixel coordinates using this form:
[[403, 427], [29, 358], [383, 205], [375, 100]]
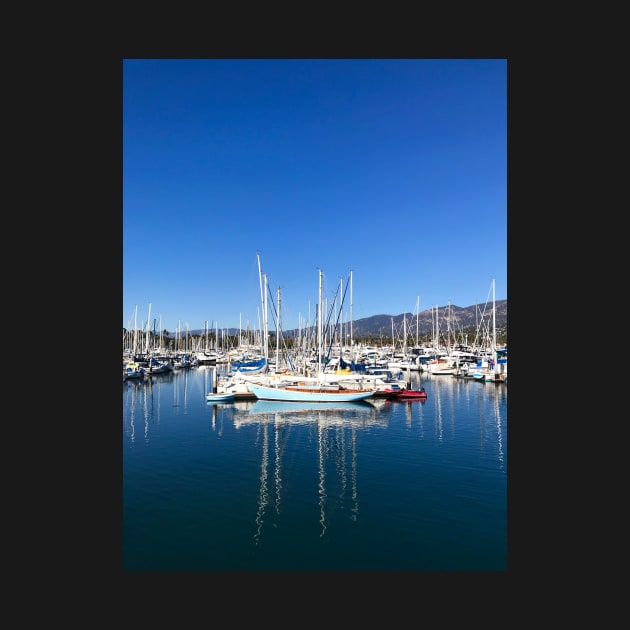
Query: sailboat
[[258, 365], [308, 391], [496, 372], [218, 397]]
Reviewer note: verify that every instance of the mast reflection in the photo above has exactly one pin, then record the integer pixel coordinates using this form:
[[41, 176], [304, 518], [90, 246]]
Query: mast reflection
[[336, 426], [143, 397]]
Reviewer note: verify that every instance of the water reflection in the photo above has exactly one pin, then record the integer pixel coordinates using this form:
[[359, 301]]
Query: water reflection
[[271, 475], [449, 404], [263, 494], [451, 400], [336, 426], [321, 436], [142, 400], [285, 468], [499, 430], [359, 413]]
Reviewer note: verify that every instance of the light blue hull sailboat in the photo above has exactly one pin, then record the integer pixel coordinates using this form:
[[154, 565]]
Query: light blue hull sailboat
[[309, 393]]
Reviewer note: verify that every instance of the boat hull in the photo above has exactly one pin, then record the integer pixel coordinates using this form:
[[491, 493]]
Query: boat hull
[[308, 394], [212, 398], [405, 394]]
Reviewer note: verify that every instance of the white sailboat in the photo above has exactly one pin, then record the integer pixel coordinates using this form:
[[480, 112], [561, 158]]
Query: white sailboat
[[319, 391], [215, 396], [316, 392], [496, 370]]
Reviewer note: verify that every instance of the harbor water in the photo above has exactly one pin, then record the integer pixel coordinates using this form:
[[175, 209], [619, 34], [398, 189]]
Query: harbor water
[[370, 486]]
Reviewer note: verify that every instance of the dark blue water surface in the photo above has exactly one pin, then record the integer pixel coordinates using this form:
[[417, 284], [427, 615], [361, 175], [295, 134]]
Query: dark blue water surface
[[380, 486]]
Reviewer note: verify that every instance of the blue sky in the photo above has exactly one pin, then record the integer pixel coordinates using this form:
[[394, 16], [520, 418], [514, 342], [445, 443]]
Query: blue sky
[[389, 171]]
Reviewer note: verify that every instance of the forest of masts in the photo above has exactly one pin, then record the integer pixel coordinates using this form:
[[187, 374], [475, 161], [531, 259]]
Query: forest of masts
[[329, 331], [153, 341]]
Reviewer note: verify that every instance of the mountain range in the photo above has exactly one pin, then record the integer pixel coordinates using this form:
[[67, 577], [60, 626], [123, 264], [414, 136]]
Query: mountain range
[[461, 318]]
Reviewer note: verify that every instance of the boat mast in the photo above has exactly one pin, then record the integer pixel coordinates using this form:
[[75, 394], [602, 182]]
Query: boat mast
[[494, 330], [448, 330], [161, 333], [135, 333], [341, 337], [319, 326], [262, 278], [278, 334], [417, 322], [436, 338], [405, 334], [393, 338], [146, 340], [351, 337], [265, 319]]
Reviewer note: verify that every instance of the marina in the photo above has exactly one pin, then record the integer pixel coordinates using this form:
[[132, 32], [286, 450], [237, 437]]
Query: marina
[[320, 366], [262, 485], [330, 409]]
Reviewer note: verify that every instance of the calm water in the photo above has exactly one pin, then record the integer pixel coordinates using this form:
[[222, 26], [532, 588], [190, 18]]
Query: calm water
[[382, 486]]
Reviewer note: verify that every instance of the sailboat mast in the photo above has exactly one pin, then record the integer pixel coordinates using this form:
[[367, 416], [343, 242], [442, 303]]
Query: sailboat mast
[[161, 333], [265, 318], [436, 339], [262, 279], [393, 338], [448, 330], [146, 340], [351, 337], [405, 334], [494, 329], [278, 335], [319, 325], [135, 332], [341, 340], [417, 321]]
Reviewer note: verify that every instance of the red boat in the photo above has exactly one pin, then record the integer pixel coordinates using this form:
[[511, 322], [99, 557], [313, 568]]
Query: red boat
[[406, 394]]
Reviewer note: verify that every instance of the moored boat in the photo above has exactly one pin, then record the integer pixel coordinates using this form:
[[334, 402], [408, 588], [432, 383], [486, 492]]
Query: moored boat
[[157, 366], [406, 394], [215, 397], [316, 392], [132, 370], [255, 366]]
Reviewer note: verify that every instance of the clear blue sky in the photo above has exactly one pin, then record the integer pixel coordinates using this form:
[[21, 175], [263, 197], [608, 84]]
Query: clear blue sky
[[392, 169]]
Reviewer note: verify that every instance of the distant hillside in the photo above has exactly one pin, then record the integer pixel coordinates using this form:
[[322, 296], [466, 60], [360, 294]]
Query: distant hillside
[[462, 318]]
